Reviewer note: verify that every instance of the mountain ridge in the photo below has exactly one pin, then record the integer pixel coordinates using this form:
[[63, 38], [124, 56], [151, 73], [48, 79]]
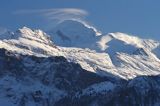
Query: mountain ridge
[[119, 52], [109, 69]]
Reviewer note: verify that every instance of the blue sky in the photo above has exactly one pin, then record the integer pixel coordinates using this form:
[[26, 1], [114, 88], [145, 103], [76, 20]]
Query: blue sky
[[137, 17]]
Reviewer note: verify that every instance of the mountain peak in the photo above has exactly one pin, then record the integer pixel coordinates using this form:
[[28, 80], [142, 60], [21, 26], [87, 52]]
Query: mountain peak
[[128, 39], [80, 24], [24, 31], [70, 26], [32, 34], [71, 33], [28, 41]]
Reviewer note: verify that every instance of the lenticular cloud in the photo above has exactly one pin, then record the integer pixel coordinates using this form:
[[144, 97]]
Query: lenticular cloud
[[57, 14]]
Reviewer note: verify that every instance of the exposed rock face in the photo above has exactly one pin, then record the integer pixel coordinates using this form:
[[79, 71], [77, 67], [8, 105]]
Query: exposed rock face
[[48, 81], [141, 91], [41, 80]]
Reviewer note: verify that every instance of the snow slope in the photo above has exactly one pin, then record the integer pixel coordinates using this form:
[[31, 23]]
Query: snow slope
[[72, 33], [156, 51], [120, 42]]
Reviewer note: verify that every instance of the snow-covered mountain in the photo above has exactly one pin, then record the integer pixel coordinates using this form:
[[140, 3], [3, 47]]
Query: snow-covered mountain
[[119, 56], [76, 61], [72, 33]]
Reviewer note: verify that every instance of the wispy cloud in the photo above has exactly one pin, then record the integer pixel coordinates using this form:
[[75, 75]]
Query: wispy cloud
[[59, 14], [56, 15]]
